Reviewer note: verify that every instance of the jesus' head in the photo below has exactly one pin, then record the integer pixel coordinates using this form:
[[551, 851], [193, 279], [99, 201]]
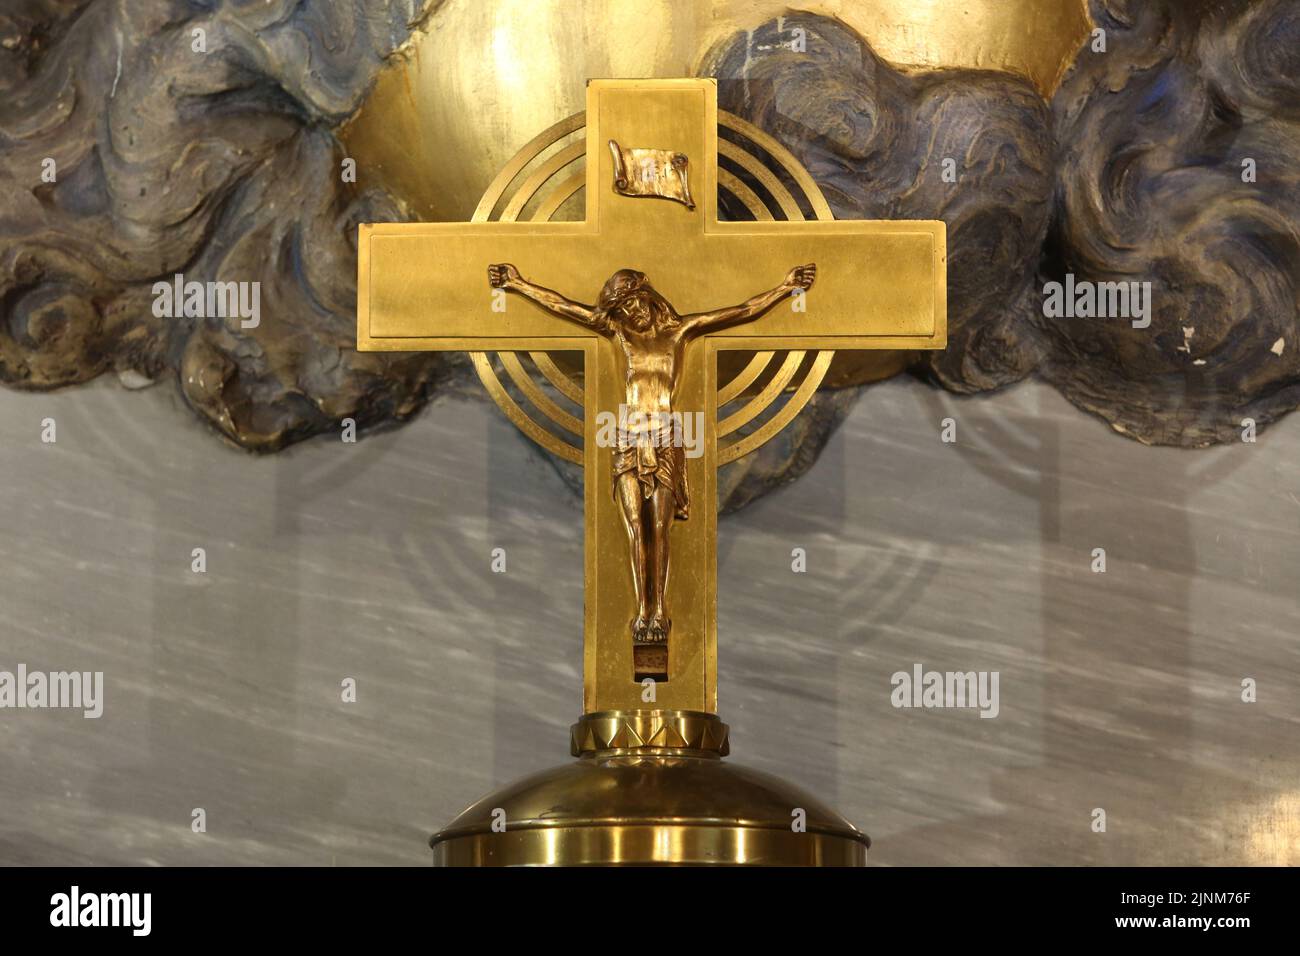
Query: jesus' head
[[628, 299]]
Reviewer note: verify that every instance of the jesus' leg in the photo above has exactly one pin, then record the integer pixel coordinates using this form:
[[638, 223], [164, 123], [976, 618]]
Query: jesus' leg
[[629, 499], [662, 512]]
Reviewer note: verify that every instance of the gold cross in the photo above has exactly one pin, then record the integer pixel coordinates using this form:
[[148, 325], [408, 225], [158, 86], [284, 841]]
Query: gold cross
[[424, 286]]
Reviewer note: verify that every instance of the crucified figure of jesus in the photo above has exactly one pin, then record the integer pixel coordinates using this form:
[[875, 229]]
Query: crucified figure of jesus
[[649, 461]]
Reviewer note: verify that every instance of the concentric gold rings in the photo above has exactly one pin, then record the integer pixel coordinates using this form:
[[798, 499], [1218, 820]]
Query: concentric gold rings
[[549, 174]]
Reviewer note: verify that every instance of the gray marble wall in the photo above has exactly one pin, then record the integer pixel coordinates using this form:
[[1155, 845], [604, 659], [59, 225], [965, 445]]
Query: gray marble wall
[[1119, 691]]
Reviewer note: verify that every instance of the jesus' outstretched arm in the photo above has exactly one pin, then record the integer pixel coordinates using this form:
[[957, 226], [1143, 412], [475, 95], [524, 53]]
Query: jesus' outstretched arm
[[505, 276], [800, 278]]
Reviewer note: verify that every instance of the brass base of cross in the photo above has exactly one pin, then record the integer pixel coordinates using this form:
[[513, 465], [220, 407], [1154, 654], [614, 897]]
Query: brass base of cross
[[650, 788]]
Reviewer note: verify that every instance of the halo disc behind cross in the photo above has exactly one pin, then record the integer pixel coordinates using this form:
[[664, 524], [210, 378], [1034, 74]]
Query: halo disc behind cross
[[757, 175]]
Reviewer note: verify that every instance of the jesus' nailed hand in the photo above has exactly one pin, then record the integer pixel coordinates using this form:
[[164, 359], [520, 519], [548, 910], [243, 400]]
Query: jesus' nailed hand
[[649, 475]]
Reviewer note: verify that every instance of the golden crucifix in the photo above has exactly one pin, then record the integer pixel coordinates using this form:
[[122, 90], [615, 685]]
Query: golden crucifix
[[649, 358]]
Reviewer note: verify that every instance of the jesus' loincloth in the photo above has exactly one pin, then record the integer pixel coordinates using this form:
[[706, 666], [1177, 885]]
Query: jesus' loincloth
[[656, 459]]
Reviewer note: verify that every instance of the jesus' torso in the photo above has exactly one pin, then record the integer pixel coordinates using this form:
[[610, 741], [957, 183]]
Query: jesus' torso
[[651, 363]]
